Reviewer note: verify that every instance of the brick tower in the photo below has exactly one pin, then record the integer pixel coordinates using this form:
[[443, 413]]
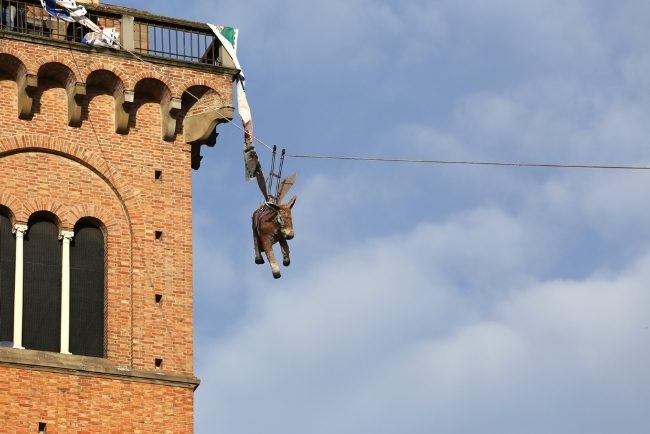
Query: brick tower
[[96, 151]]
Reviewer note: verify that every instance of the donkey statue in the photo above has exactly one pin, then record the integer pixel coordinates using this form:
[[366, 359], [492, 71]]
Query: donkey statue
[[271, 224]]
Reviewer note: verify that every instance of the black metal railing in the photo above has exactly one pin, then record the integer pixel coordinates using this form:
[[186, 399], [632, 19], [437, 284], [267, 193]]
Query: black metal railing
[[153, 36], [179, 43]]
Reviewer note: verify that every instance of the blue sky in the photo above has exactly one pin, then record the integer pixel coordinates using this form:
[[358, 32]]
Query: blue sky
[[427, 299]]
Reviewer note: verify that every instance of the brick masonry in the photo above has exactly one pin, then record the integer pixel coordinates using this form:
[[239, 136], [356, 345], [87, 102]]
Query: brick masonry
[[89, 170], [87, 404]]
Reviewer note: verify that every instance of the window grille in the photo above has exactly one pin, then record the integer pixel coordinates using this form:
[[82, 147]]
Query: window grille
[[42, 286], [87, 291], [7, 270]]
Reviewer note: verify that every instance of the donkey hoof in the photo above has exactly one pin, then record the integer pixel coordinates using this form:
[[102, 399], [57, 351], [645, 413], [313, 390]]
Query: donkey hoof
[[286, 262], [276, 275], [259, 260]]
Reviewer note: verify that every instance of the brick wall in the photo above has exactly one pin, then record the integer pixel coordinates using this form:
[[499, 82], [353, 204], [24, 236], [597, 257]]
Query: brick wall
[[91, 405], [89, 170]]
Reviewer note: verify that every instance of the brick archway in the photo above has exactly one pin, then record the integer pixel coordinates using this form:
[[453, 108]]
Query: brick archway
[[39, 143], [11, 203]]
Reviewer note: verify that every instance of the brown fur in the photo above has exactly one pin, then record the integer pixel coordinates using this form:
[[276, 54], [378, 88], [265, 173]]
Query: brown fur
[[272, 224]]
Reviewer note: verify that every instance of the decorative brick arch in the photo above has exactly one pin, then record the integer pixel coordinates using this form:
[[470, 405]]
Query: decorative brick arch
[[13, 204], [33, 206], [14, 53], [199, 82], [60, 70], [15, 68], [205, 84], [85, 210], [94, 66], [24, 143], [63, 61], [166, 80], [68, 218]]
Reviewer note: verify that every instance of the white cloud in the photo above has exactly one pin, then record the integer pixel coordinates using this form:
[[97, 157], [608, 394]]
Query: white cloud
[[421, 141], [336, 34], [547, 31], [421, 299], [449, 300], [380, 339], [492, 114]]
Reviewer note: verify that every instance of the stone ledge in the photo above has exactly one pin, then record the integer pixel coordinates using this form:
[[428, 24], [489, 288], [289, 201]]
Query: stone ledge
[[88, 367]]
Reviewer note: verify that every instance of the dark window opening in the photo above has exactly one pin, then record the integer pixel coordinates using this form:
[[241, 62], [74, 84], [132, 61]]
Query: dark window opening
[[7, 272], [87, 291], [42, 286]]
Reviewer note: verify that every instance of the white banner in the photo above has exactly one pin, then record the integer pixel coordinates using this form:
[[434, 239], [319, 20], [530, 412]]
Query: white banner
[[251, 162]]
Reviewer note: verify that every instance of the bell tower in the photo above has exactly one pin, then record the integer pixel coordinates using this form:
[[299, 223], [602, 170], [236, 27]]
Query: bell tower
[[97, 146]]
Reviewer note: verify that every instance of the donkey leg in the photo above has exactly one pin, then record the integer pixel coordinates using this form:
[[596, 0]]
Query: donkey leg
[[268, 249], [284, 246], [258, 254]]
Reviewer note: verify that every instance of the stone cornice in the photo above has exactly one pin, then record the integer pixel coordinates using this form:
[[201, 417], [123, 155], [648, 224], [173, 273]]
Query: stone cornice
[[89, 367]]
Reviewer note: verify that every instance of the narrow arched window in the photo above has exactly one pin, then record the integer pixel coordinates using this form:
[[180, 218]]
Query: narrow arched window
[[7, 272], [87, 290], [42, 285]]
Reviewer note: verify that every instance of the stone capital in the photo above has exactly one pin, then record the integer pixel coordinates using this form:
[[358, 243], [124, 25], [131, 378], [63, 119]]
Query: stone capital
[[66, 236], [20, 230]]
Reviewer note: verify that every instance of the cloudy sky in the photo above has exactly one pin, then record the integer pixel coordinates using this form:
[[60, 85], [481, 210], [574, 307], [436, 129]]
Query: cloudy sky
[[431, 299]]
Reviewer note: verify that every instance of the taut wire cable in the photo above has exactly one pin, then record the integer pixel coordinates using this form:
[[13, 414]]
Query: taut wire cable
[[473, 162], [162, 68]]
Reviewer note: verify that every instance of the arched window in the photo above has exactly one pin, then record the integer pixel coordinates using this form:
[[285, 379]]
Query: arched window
[[7, 270], [87, 290], [42, 285]]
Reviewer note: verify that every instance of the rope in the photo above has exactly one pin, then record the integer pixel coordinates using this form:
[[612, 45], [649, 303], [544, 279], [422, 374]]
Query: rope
[[162, 68], [137, 245], [218, 109], [92, 126], [474, 163], [417, 161]]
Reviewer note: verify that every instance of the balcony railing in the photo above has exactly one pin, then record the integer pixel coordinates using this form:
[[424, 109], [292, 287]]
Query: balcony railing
[[140, 32]]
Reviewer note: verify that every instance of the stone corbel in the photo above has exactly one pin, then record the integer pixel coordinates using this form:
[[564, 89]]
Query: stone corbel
[[169, 111], [196, 149], [201, 129], [75, 98], [25, 102], [122, 110]]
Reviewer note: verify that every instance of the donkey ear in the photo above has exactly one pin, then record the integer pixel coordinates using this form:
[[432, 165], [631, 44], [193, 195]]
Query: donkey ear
[[286, 185], [292, 202]]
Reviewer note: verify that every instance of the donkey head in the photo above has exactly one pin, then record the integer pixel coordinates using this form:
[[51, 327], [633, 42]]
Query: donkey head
[[283, 218]]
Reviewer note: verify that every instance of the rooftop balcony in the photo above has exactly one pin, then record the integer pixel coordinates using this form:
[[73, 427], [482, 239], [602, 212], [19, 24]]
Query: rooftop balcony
[[149, 36]]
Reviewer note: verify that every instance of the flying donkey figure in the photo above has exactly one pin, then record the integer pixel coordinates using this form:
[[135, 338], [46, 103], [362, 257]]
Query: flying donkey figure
[[272, 224]]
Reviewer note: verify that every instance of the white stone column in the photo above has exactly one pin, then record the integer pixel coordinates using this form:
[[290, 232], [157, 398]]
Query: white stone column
[[66, 237], [20, 231]]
